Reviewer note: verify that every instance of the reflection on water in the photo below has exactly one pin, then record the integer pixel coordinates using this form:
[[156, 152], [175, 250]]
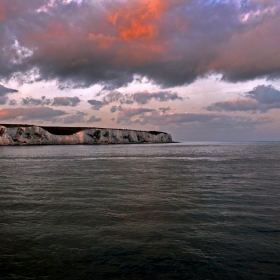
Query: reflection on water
[[176, 211]]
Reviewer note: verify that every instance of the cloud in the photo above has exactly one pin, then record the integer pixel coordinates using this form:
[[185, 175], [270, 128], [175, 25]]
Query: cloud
[[115, 96], [57, 101], [4, 91], [170, 43], [141, 98], [216, 122], [126, 115], [114, 109], [96, 104], [79, 117], [12, 102], [30, 101], [33, 113], [221, 128], [3, 100], [137, 19], [165, 119], [66, 101], [144, 97], [266, 95], [165, 109], [94, 119], [262, 98]]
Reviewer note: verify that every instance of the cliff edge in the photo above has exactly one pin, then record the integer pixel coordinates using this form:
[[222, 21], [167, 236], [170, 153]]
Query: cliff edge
[[11, 134]]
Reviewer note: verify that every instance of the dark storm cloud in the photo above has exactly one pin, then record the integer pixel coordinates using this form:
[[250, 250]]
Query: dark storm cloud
[[171, 43], [33, 113], [262, 98], [66, 101]]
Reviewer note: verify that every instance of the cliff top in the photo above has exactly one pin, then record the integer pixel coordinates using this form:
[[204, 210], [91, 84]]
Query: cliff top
[[68, 130]]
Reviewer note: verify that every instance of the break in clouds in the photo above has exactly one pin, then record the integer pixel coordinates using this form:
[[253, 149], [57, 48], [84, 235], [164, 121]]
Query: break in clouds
[[169, 42]]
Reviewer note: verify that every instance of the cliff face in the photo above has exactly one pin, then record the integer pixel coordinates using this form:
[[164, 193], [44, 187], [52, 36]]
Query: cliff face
[[36, 135]]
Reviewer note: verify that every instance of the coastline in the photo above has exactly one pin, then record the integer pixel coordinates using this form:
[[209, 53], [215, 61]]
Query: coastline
[[25, 134]]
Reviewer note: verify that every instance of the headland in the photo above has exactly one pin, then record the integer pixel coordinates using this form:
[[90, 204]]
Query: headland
[[25, 134]]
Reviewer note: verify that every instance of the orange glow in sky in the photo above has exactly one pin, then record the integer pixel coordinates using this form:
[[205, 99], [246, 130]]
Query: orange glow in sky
[[138, 20]]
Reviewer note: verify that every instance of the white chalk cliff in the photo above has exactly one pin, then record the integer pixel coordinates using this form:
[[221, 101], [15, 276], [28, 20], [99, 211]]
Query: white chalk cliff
[[36, 135]]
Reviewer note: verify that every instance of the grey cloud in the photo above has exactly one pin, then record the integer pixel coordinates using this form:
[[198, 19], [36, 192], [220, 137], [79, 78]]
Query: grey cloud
[[215, 121], [30, 101], [127, 114], [141, 98], [96, 104], [66, 101], [33, 113], [94, 119], [235, 105], [223, 128], [145, 97], [164, 110], [4, 91], [79, 117], [113, 96], [57, 101], [12, 102], [114, 109], [135, 111], [116, 96], [3, 100], [262, 98], [266, 95], [178, 118], [191, 40]]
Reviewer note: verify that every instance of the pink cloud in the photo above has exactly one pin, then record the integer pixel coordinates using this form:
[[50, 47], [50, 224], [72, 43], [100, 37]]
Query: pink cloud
[[38, 113]]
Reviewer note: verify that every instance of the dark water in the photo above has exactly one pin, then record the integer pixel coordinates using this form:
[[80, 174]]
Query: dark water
[[177, 211]]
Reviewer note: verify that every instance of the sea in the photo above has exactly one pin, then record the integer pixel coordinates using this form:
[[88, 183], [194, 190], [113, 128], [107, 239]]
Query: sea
[[152, 211]]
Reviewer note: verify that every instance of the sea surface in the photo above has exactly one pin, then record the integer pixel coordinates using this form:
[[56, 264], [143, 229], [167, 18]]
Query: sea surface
[[163, 211]]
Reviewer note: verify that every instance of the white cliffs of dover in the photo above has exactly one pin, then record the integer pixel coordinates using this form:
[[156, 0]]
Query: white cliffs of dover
[[37, 135]]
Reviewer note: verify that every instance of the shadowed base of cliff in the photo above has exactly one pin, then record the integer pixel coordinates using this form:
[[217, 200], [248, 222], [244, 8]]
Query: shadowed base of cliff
[[24, 134]]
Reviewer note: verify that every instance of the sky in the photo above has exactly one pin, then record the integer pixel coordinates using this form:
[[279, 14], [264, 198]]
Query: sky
[[205, 70]]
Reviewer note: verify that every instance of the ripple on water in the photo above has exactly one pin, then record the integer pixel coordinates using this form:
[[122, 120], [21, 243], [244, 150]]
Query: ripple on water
[[179, 211]]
